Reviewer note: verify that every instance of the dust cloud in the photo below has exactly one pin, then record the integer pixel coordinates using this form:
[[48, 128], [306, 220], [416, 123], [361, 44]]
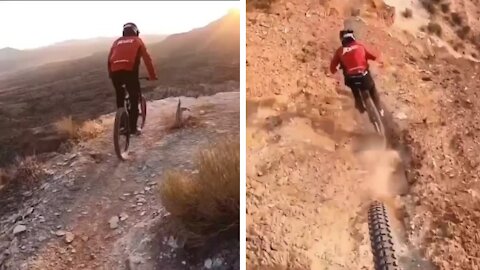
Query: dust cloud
[[381, 164]]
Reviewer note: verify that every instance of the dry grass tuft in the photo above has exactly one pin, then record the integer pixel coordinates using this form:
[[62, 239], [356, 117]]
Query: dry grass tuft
[[90, 129], [66, 125], [206, 107], [434, 28], [28, 171], [77, 132], [206, 203], [25, 172], [407, 13], [182, 118], [4, 178]]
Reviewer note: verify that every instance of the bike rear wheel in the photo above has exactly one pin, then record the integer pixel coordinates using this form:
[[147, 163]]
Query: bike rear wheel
[[373, 113], [381, 239], [143, 111], [121, 134]]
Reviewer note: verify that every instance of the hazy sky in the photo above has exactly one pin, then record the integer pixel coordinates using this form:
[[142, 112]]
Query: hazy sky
[[40, 23]]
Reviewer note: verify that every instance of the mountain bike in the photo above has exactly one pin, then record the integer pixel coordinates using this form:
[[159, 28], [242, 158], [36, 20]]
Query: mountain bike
[[367, 102], [121, 127], [381, 239], [372, 111]]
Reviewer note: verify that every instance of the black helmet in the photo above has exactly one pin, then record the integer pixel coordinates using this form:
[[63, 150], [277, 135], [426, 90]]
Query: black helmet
[[346, 36], [130, 29]]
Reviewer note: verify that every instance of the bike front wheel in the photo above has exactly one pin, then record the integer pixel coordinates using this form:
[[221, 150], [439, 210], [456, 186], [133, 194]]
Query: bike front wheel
[[121, 134], [143, 111]]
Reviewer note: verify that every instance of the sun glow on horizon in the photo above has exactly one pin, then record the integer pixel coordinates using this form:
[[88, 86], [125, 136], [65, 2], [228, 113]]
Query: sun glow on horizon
[[51, 22]]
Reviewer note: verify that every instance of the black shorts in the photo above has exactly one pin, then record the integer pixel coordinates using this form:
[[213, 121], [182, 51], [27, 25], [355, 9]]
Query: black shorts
[[361, 81]]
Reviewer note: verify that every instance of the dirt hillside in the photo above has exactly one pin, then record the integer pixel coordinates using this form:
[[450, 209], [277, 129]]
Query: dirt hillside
[[314, 164], [92, 211]]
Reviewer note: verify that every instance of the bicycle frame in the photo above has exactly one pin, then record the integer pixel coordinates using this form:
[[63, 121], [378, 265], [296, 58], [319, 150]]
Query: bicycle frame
[[373, 114], [126, 102]]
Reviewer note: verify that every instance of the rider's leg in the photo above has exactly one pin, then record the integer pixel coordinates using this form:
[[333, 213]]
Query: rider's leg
[[356, 95], [118, 81], [358, 99], [133, 88]]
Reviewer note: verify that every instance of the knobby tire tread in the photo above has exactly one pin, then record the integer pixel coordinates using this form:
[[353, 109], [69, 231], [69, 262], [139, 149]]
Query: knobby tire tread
[[381, 239]]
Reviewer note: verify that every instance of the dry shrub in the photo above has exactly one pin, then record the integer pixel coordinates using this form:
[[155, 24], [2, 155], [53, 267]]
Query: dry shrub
[[87, 130], [183, 118], [28, 170], [264, 5], [24, 172], [4, 178], [205, 107], [206, 203], [90, 129], [429, 6], [66, 125], [456, 18], [407, 13], [355, 12], [434, 28], [463, 32], [445, 7]]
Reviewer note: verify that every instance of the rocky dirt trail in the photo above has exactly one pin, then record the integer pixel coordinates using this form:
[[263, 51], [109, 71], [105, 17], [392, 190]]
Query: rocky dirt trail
[[96, 212], [315, 164]]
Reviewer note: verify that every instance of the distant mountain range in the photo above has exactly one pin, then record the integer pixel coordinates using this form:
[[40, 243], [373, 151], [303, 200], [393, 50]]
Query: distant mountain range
[[210, 53], [12, 59]]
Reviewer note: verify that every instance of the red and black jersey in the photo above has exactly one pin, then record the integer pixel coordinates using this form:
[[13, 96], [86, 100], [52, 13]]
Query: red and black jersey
[[125, 55], [353, 59]]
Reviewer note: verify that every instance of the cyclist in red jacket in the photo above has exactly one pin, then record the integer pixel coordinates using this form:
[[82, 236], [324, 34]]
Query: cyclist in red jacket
[[353, 58], [123, 67]]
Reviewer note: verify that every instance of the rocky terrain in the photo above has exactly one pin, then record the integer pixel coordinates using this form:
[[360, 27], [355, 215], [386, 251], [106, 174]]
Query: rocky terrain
[[315, 163], [88, 210], [195, 63]]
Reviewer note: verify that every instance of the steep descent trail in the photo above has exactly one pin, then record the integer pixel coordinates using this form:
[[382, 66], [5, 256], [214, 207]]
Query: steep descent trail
[[314, 163], [307, 187], [305, 201], [89, 188]]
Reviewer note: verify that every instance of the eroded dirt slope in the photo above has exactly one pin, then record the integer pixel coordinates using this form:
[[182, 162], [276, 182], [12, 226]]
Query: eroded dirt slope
[[314, 164], [89, 187]]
